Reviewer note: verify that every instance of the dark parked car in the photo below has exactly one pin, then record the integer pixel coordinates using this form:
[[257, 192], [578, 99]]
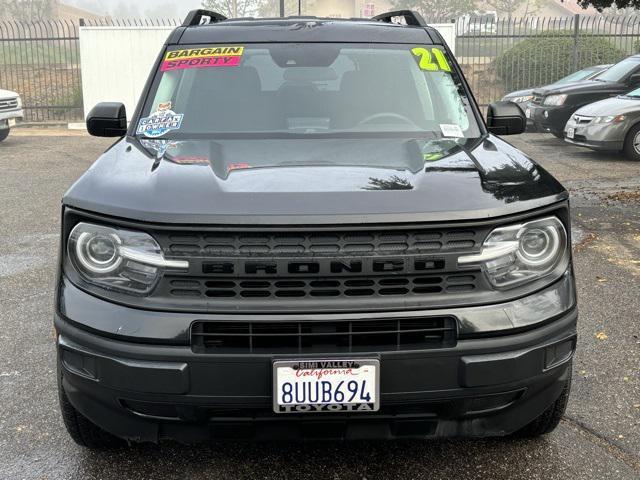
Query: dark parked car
[[552, 107], [523, 97], [308, 231], [612, 124]]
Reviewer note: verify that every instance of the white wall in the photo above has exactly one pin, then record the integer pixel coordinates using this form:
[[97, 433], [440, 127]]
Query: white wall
[[116, 62], [448, 32]]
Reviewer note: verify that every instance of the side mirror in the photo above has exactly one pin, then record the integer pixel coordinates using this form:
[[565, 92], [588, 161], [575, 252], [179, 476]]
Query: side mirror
[[505, 118], [634, 79], [108, 119]]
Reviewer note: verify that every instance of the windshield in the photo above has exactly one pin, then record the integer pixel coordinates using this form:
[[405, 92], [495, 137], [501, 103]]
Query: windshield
[[633, 93], [297, 90], [620, 70], [576, 76]]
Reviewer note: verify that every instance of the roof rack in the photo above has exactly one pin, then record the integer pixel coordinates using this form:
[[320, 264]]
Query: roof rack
[[412, 18], [202, 17]]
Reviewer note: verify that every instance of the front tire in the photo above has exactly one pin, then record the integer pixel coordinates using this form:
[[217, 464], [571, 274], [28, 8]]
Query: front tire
[[81, 430], [4, 134], [632, 143], [550, 418]]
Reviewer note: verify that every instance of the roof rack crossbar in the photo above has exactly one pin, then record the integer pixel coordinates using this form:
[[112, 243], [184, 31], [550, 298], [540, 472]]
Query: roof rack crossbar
[[412, 18], [202, 17]]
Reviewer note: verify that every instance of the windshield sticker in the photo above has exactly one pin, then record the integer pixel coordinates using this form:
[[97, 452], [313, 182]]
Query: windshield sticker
[[164, 106], [159, 123], [432, 156], [427, 58], [202, 58], [451, 130]]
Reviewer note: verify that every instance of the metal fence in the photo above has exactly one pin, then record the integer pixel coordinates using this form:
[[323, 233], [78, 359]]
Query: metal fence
[[503, 55], [41, 60]]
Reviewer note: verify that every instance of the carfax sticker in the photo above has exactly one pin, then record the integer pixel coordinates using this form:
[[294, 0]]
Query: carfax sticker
[[159, 123], [202, 58]]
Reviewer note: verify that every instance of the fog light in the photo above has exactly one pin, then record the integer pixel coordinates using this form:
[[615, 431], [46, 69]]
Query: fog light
[[559, 353]]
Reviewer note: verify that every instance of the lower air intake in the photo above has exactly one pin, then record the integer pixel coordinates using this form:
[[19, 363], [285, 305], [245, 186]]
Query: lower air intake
[[224, 337]]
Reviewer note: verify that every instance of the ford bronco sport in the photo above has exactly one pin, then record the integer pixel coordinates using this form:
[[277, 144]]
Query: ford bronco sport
[[308, 231]]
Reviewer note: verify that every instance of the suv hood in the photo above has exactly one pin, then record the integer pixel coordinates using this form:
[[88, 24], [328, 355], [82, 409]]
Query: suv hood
[[7, 94], [610, 106], [260, 181]]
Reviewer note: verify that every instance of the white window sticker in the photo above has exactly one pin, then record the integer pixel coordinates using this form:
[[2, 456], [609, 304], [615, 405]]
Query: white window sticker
[[451, 130]]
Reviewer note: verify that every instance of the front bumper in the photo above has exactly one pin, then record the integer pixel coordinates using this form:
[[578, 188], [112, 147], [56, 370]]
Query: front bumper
[[142, 391], [605, 137], [10, 118], [550, 118]]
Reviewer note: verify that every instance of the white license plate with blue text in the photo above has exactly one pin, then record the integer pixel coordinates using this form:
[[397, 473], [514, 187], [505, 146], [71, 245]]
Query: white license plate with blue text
[[311, 386]]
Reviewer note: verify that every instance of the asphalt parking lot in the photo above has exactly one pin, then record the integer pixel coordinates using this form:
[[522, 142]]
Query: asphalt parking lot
[[598, 439]]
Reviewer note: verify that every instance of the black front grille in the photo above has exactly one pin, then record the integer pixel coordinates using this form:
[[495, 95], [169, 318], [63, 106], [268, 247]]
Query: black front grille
[[328, 268], [311, 244], [241, 337], [220, 287]]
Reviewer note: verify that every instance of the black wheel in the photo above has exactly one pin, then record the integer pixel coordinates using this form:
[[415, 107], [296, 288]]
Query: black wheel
[[4, 134], [632, 143], [81, 430], [549, 419]]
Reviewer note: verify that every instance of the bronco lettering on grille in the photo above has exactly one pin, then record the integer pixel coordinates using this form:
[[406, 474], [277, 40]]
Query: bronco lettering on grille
[[322, 266]]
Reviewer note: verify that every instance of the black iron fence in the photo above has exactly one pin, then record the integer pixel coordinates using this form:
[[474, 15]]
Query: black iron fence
[[41, 60], [502, 55]]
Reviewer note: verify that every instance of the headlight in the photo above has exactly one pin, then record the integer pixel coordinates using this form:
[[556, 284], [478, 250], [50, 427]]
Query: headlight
[[118, 259], [520, 99], [522, 253], [19, 100], [554, 100], [610, 119]]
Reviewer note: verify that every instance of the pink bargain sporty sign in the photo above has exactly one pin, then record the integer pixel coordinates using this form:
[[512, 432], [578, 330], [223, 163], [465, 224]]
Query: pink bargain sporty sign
[[205, 57]]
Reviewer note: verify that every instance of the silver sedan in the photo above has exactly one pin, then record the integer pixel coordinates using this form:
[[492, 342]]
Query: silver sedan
[[611, 125]]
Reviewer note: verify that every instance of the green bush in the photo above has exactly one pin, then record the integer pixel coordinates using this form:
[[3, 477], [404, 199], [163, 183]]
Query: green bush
[[547, 57]]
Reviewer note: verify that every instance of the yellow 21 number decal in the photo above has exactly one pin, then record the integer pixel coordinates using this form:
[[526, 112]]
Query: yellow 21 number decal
[[427, 59]]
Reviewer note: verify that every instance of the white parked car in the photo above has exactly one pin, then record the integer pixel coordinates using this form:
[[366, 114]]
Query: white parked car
[[10, 111]]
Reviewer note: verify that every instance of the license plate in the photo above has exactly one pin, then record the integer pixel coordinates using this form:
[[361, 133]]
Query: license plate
[[571, 132], [312, 386], [527, 113], [11, 122]]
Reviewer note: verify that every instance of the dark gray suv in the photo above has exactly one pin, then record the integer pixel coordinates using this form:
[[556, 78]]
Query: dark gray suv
[[308, 231]]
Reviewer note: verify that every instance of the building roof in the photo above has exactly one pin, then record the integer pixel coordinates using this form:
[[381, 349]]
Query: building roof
[[73, 13]]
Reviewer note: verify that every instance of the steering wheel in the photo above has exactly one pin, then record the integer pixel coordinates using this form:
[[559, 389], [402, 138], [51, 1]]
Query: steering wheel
[[390, 115]]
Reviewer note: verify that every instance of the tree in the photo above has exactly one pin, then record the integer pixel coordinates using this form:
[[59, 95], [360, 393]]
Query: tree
[[437, 8], [600, 5], [27, 9], [505, 8], [271, 8], [234, 8]]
